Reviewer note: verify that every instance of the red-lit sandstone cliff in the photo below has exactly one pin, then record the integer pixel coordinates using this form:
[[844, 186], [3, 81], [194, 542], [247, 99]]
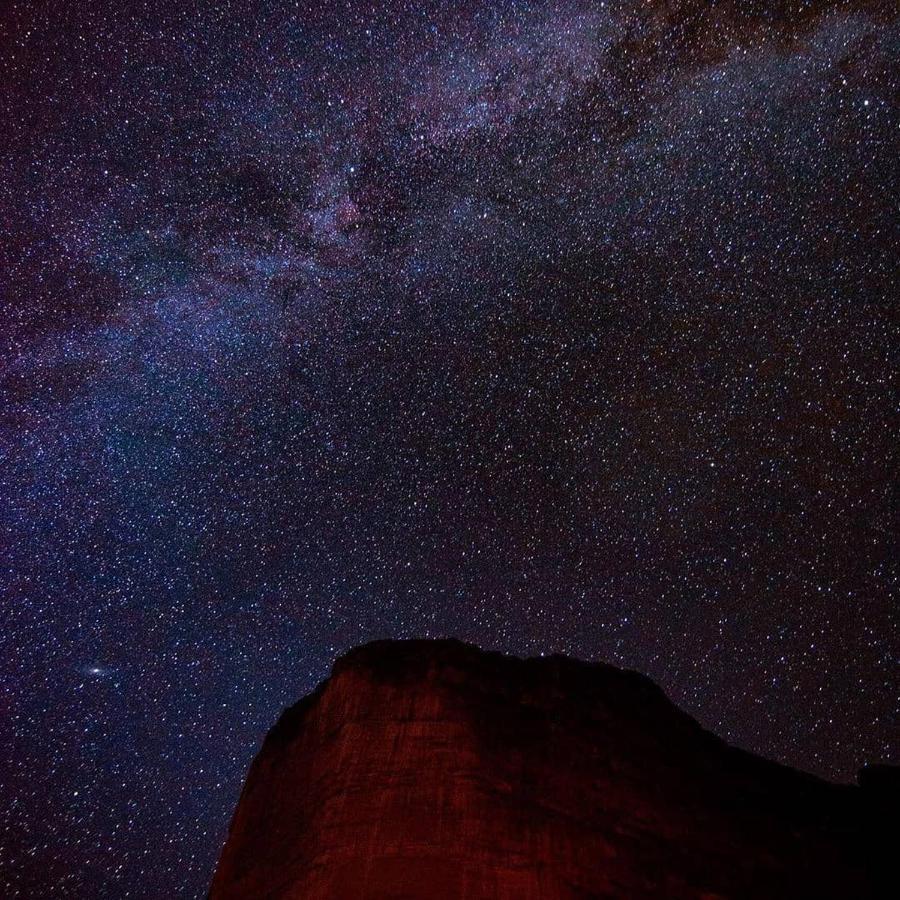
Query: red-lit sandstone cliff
[[430, 769]]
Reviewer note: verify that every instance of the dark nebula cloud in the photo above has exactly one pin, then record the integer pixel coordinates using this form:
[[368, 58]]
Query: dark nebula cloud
[[553, 326]]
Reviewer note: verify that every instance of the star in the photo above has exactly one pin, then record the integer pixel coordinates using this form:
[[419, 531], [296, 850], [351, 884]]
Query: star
[[558, 330]]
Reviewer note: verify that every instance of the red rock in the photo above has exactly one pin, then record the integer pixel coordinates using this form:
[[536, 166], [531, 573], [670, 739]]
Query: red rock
[[431, 769]]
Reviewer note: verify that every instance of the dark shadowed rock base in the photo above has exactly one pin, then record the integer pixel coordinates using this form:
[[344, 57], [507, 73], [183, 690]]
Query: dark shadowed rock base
[[430, 769]]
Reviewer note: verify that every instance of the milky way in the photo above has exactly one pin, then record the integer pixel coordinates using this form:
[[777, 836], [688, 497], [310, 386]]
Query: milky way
[[555, 327]]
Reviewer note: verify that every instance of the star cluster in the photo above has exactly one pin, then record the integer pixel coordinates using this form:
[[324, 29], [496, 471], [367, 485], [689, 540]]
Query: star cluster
[[554, 326]]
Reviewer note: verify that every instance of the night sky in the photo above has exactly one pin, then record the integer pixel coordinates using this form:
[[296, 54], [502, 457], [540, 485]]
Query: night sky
[[557, 327]]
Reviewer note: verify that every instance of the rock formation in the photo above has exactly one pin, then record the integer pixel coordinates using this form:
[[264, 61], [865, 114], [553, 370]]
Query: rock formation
[[431, 769]]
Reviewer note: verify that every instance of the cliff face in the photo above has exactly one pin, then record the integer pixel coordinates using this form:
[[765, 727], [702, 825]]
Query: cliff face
[[430, 769]]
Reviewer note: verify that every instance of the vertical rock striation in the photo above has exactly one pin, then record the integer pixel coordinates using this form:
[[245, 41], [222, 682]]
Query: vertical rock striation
[[431, 769]]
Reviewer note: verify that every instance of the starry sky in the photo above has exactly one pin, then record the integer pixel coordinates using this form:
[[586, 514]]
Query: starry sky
[[554, 326]]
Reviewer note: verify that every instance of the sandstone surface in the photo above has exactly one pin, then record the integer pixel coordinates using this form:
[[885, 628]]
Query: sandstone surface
[[431, 769]]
